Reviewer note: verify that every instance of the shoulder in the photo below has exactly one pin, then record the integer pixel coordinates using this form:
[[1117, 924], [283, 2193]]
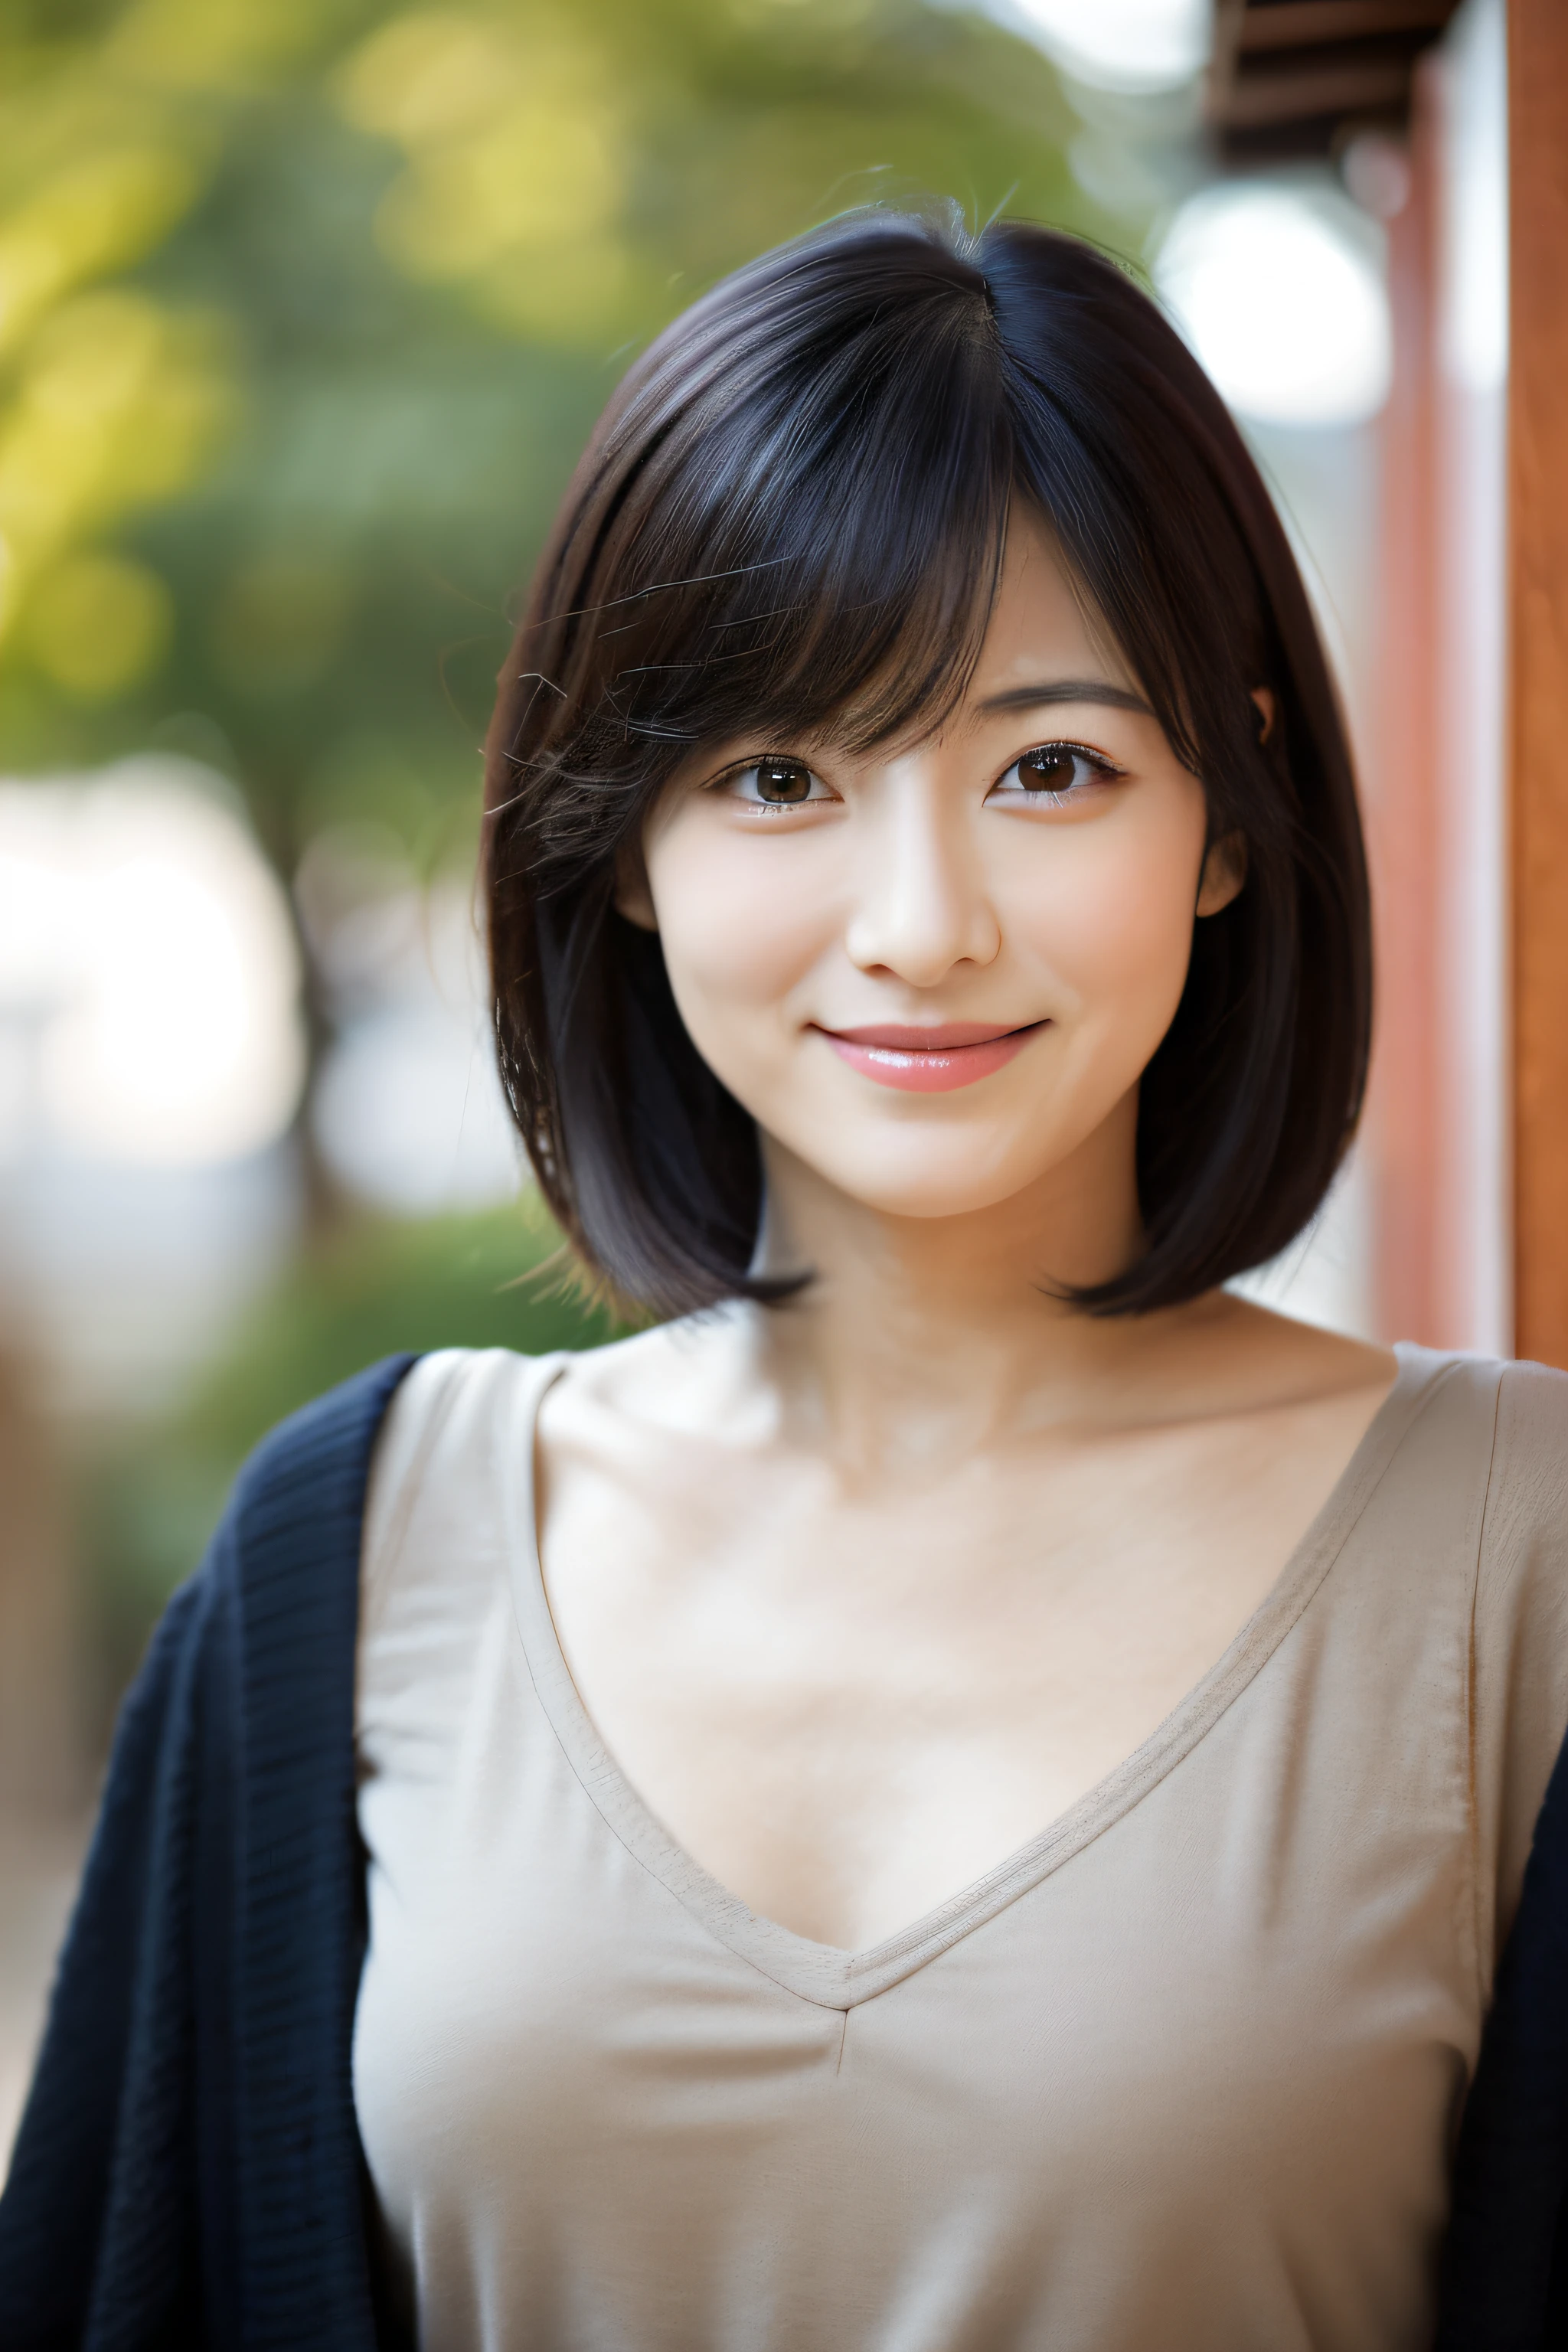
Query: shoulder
[[446, 1517], [1500, 1425], [1532, 1425], [1527, 1497], [1494, 1453], [687, 1376], [1520, 1411], [1518, 1394], [1463, 1477], [456, 1431], [451, 1401]]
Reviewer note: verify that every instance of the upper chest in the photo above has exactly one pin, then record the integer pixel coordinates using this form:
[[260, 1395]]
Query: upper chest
[[847, 1699], [756, 1564]]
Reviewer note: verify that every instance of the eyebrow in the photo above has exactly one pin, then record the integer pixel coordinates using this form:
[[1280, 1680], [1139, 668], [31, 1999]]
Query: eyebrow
[[1067, 689]]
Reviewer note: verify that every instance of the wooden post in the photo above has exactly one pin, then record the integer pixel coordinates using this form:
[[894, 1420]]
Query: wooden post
[[1538, 568], [1403, 839]]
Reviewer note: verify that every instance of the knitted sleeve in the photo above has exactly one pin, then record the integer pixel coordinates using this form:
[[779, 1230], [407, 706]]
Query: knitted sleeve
[[187, 2171], [103, 2130]]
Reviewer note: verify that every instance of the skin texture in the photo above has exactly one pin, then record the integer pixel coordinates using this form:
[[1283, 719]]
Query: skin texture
[[863, 1591]]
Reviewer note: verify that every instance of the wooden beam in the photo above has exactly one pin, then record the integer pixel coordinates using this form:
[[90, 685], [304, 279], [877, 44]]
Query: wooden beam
[[1225, 42], [1538, 562], [1312, 84], [1295, 60], [1299, 24]]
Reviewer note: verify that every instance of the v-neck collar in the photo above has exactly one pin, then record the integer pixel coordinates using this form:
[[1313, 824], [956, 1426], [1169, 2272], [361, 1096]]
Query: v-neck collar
[[825, 1973]]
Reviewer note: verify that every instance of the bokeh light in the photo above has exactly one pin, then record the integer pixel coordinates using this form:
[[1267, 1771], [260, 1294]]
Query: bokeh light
[[515, 140], [118, 403], [407, 1111], [1139, 46], [1278, 292], [149, 976], [97, 624]]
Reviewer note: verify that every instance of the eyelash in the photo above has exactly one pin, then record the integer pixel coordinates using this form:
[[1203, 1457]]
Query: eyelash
[[1104, 770], [744, 768]]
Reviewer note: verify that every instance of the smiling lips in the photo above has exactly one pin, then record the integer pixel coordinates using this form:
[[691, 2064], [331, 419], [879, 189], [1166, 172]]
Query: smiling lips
[[930, 1061]]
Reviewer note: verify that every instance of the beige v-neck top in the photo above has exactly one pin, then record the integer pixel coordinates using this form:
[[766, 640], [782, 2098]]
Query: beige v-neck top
[[1182, 2076]]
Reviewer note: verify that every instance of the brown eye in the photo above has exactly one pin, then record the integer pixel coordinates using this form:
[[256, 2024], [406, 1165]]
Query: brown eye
[[1050, 770], [777, 782], [1055, 775], [782, 779]]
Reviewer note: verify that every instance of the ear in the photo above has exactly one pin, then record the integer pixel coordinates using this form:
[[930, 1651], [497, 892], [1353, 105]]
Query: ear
[[1224, 871], [632, 896], [1263, 696]]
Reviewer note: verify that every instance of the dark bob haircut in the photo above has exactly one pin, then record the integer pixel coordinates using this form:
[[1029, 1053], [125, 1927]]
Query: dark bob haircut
[[790, 522]]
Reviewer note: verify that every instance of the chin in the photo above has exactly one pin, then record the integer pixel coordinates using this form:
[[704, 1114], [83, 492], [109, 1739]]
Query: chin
[[909, 1184]]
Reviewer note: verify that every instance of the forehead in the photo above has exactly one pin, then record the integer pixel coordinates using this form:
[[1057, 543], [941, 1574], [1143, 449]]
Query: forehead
[[1044, 627]]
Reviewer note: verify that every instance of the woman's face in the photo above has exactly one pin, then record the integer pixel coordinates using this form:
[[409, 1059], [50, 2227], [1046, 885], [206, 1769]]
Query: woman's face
[[933, 973]]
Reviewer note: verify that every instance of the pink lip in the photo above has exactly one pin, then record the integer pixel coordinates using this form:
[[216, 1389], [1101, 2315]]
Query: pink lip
[[930, 1061]]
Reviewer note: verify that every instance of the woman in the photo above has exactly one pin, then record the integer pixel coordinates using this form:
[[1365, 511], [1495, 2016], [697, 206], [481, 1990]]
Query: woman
[[966, 1786]]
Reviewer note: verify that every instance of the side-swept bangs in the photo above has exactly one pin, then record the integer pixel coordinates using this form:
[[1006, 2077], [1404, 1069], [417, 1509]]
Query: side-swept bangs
[[790, 521]]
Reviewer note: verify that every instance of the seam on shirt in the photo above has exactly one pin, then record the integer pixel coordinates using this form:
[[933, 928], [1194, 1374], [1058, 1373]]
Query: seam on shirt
[[1480, 1958]]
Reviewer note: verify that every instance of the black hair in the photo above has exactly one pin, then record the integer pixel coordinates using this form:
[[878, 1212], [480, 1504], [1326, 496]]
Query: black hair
[[790, 521]]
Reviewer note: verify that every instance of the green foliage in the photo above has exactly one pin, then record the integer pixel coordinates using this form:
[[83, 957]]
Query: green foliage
[[372, 1287], [306, 307]]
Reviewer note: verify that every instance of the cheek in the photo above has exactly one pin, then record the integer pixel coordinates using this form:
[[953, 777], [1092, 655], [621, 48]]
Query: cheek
[[741, 921], [1112, 917]]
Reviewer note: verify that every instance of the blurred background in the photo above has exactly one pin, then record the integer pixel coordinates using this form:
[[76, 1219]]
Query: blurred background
[[306, 307]]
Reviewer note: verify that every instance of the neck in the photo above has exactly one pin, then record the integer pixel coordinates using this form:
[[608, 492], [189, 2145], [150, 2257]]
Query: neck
[[920, 1339]]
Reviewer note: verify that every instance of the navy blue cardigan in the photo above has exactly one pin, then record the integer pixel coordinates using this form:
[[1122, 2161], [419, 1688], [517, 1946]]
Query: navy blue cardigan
[[188, 2171]]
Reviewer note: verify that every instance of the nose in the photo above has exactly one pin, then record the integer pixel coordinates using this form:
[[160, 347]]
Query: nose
[[924, 904]]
